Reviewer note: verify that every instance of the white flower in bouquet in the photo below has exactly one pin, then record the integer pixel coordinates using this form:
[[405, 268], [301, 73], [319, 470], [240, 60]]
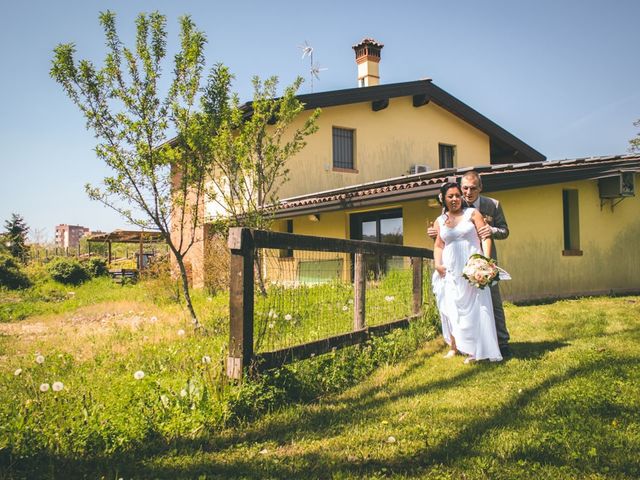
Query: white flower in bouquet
[[481, 271]]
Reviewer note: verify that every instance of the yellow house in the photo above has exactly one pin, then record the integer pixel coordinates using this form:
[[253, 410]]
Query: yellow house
[[574, 224], [374, 167]]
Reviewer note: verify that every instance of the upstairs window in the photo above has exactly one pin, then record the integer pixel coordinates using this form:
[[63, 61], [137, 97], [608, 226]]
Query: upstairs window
[[571, 220], [343, 148], [447, 155]]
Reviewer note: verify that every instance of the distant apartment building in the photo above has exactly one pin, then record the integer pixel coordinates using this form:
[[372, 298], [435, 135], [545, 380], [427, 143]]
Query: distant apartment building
[[68, 236]]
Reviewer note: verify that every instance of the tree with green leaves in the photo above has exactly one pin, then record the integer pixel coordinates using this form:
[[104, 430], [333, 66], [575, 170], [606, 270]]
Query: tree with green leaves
[[123, 106], [249, 146], [15, 237], [164, 151], [634, 143]]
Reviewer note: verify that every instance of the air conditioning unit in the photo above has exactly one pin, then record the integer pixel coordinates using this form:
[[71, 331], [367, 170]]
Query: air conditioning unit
[[617, 186], [418, 169]]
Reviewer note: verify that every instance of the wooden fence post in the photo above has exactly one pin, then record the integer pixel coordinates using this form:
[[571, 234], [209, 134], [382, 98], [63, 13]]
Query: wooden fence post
[[417, 284], [359, 287], [241, 293]]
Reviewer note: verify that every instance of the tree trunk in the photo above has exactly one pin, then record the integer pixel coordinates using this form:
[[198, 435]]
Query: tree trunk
[[258, 270], [185, 289]]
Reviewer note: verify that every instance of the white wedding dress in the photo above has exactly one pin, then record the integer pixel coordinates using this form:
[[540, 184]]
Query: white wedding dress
[[466, 312]]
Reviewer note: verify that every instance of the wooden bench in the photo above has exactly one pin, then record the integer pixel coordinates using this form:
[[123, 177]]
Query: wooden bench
[[124, 275]]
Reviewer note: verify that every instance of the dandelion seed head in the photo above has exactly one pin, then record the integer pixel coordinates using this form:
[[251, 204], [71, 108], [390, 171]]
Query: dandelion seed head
[[345, 308], [139, 375], [271, 324], [391, 439], [44, 387], [153, 319], [57, 386], [183, 393], [181, 332], [17, 372], [40, 359], [288, 317]]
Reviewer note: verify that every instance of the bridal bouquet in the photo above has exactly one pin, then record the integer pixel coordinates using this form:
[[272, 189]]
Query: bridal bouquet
[[481, 271]]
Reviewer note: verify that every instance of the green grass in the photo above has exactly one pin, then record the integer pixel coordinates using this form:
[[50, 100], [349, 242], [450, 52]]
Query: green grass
[[289, 316], [95, 341], [566, 406]]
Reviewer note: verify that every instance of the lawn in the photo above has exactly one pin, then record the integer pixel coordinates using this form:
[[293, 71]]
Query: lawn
[[567, 405]]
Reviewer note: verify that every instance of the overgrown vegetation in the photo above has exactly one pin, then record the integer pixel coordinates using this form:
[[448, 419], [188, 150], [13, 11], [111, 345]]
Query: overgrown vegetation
[[54, 287], [11, 275], [136, 379], [138, 394], [68, 271]]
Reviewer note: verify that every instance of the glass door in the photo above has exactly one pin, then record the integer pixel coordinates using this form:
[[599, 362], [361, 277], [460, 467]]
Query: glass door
[[383, 226]]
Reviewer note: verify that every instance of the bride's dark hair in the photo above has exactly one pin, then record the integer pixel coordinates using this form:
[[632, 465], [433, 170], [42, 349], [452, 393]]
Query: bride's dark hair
[[443, 192]]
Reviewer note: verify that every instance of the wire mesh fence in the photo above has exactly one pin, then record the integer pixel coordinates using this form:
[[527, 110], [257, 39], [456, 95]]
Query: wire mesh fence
[[293, 296], [310, 296]]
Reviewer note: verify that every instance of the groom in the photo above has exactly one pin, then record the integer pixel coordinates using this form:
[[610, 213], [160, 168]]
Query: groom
[[496, 228]]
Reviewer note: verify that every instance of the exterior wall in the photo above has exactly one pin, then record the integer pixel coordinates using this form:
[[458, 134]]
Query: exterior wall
[[387, 143], [195, 259], [609, 240], [532, 254], [68, 236], [332, 224]]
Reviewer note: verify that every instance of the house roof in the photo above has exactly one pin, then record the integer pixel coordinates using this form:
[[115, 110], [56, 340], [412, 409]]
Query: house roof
[[503, 144], [424, 185]]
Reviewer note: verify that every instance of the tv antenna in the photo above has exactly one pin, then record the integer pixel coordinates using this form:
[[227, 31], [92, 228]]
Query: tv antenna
[[314, 68]]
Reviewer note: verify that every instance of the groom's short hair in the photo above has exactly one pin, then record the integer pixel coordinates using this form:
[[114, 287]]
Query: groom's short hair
[[473, 174]]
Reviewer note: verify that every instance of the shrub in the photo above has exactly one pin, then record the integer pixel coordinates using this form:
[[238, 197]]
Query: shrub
[[216, 261], [159, 267], [68, 271], [97, 267], [11, 276]]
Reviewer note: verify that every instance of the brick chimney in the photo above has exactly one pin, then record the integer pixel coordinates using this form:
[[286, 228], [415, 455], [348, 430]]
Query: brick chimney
[[368, 59]]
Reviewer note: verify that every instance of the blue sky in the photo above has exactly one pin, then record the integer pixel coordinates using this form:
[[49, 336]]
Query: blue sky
[[561, 75]]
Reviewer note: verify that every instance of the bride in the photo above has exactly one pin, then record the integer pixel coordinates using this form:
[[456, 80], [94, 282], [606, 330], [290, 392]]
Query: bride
[[466, 312]]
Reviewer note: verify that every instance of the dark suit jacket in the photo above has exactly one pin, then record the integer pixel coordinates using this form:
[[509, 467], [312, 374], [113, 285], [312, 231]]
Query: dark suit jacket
[[492, 212]]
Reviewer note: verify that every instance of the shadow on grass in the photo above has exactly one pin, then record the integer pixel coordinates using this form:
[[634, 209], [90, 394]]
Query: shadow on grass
[[534, 350], [339, 415]]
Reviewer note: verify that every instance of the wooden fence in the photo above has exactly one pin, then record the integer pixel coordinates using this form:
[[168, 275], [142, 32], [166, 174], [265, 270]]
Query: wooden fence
[[244, 244]]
